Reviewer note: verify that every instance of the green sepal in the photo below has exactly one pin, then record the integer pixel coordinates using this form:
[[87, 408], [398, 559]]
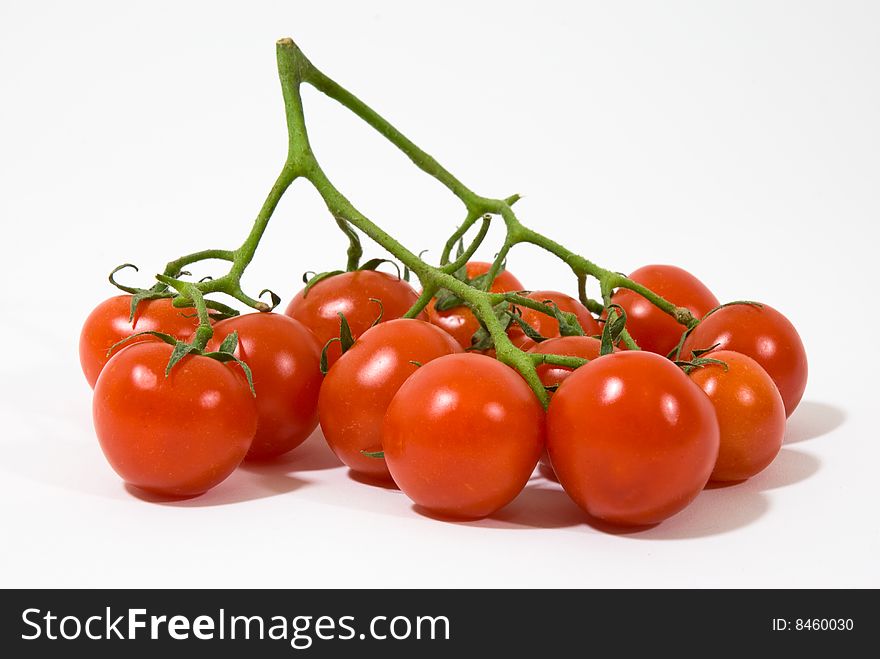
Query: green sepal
[[140, 296], [568, 322], [612, 329], [373, 454], [319, 278], [224, 357], [276, 299], [445, 299], [527, 329], [482, 338], [378, 318], [167, 338], [181, 350], [700, 362], [345, 338], [230, 343], [323, 365], [757, 305], [675, 353], [372, 264], [121, 287], [415, 363]]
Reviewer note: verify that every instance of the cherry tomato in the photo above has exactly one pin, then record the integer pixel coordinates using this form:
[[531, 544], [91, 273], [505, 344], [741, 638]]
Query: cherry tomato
[[548, 326], [284, 357], [631, 438], [358, 389], [108, 324], [750, 411], [350, 293], [763, 334], [651, 328], [459, 321], [586, 347], [178, 435], [463, 435]]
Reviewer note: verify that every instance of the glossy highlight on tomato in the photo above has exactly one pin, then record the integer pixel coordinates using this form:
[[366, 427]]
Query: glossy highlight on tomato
[[652, 329], [631, 439], [284, 358], [463, 435], [765, 335], [358, 389], [350, 293], [750, 411], [175, 435], [108, 324]]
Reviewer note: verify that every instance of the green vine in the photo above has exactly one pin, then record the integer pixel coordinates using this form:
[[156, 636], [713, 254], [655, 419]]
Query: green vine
[[294, 71]]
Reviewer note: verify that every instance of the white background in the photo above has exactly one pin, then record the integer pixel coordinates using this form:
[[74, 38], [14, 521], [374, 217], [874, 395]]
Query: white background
[[739, 140]]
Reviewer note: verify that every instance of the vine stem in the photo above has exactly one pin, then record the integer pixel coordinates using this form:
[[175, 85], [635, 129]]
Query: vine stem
[[295, 69]]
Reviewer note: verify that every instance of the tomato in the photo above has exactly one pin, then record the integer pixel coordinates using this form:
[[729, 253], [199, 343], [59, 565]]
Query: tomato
[[350, 293], [750, 411], [763, 334], [108, 324], [631, 438], [651, 328], [358, 389], [284, 357], [548, 326], [178, 435], [463, 435], [586, 347], [459, 322], [504, 282]]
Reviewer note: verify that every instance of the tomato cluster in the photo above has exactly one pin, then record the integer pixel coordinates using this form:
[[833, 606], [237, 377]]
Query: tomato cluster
[[633, 436]]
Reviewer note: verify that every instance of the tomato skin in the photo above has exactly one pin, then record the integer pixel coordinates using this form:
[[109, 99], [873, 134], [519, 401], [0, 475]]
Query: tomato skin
[[750, 411], [631, 438], [350, 293], [284, 358], [505, 282], [178, 435], [763, 334], [463, 435], [652, 329], [548, 326], [459, 322], [358, 389], [108, 324]]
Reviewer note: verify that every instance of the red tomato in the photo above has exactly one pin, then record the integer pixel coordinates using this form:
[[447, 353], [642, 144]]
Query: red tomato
[[358, 389], [463, 435], [503, 283], [631, 438], [284, 357], [763, 334], [108, 324], [349, 293], [548, 326], [651, 328], [586, 347], [178, 435], [459, 322], [750, 411]]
